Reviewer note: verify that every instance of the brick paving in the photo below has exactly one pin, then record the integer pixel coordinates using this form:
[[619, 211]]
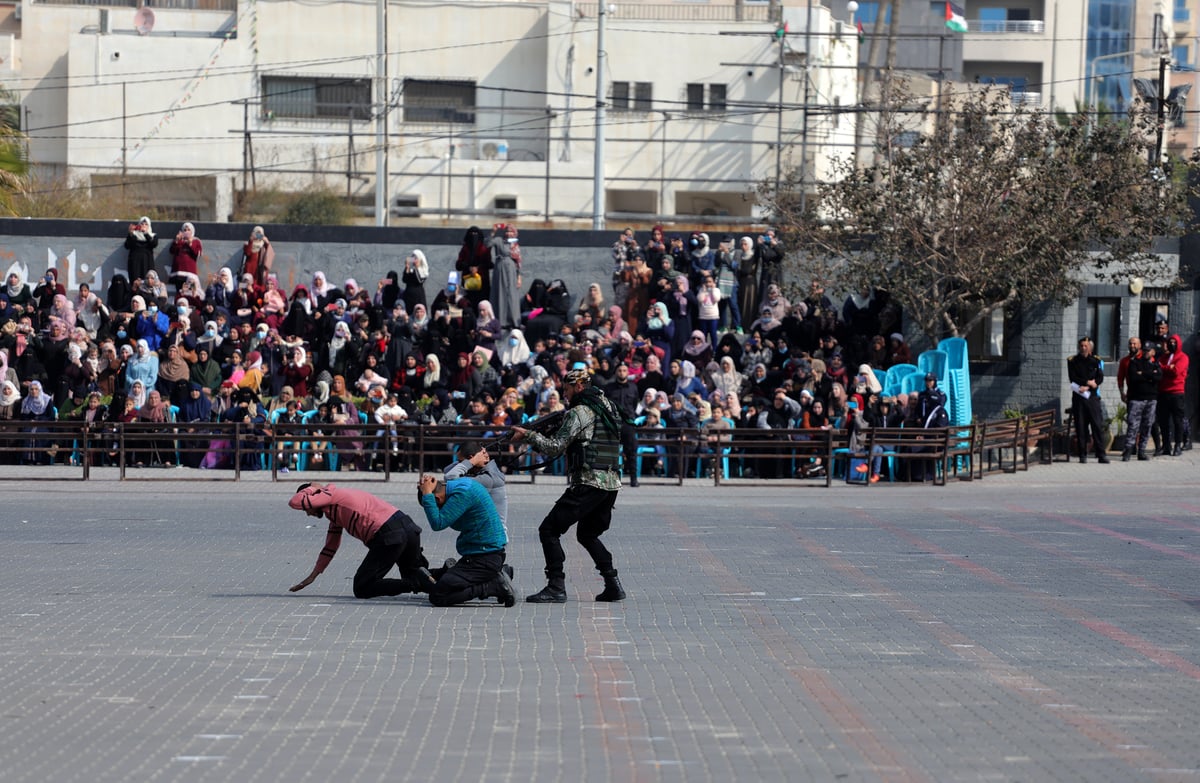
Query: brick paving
[[1039, 626]]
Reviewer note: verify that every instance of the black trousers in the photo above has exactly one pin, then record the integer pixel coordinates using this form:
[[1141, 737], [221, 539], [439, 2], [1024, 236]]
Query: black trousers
[[473, 576], [629, 448], [1089, 424], [397, 543], [1171, 414], [591, 509]]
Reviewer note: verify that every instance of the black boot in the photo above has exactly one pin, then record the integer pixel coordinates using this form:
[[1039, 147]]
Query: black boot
[[555, 592], [503, 589], [1142, 456], [1125, 454], [612, 587], [1178, 452]]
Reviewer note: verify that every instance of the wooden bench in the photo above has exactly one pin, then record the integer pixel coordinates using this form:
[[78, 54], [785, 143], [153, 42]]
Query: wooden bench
[[996, 437], [1039, 431], [905, 444]]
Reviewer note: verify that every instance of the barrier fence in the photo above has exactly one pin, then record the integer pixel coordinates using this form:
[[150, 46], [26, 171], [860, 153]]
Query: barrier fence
[[224, 451]]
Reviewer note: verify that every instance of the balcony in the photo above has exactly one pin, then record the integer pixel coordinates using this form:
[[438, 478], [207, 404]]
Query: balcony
[[759, 12], [158, 5], [994, 27]]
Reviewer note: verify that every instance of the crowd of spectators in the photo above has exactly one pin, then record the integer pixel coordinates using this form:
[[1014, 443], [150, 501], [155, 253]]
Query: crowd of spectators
[[685, 335]]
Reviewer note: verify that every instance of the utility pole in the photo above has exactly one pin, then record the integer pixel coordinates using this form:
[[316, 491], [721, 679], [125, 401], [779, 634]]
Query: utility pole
[[601, 98], [381, 113]]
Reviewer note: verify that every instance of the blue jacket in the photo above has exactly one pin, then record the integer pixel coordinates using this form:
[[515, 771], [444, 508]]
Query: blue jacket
[[469, 510]]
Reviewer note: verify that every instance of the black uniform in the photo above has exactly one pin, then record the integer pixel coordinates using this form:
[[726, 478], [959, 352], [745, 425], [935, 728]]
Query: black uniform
[[1085, 411], [625, 396]]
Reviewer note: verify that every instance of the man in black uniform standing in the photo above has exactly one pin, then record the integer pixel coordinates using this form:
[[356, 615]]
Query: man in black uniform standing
[[591, 437], [1083, 370], [624, 394]]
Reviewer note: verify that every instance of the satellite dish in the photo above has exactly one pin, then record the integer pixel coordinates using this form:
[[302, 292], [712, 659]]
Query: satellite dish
[[143, 21]]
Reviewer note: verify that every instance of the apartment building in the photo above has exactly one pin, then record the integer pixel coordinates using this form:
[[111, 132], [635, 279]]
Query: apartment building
[[488, 107]]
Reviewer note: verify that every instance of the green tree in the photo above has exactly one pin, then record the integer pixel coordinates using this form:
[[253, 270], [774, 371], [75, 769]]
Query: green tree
[[982, 206], [14, 164]]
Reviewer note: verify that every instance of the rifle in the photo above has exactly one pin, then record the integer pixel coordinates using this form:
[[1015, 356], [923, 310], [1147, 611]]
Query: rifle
[[543, 425]]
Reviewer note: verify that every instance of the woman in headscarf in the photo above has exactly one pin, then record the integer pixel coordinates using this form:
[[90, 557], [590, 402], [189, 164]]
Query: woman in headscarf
[[185, 253], [506, 278], [416, 272], [689, 383], [342, 352], [140, 242], [591, 307], [173, 375], [258, 255], [660, 330], [748, 275], [616, 323], [196, 409], [322, 293], [777, 302], [652, 374], [389, 292], [487, 328], [728, 381], [435, 377], [206, 371], [221, 291], [152, 290], [141, 368], [474, 265], [63, 310], [90, 310], [698, 350], [273, 303], [137, 394], [514, 352], [252, 379], [37, 406]]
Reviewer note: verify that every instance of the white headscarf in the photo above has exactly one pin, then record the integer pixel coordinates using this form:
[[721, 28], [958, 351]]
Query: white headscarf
[[10, 394], [35, 404]]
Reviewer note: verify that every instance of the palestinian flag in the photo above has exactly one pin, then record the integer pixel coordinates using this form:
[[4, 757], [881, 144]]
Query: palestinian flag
[[955, 17], [862, 34]]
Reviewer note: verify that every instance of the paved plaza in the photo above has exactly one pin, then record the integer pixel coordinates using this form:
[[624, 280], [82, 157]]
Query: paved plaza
[[1043, 626]]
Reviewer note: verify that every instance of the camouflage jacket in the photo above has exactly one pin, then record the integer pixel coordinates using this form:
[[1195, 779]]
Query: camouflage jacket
[[579, 424]]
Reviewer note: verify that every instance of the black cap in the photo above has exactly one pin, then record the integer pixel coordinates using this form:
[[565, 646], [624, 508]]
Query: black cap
[[930, 376]]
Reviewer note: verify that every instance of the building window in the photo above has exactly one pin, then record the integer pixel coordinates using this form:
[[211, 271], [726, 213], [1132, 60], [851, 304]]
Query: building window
[[716, 97], [985, 342], [505, 203], [869, 12], [439, 101], [312, 98], [701, 97], [1104, 326], [632, 96]]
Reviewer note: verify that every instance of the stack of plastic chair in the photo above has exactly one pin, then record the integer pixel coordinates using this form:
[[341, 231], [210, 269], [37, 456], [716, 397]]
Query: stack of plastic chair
[[958, 384], [933, 362], [895, 378]]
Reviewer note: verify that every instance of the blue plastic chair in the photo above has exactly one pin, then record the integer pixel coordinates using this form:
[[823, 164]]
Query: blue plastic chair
[[935, 362], [956, 353]]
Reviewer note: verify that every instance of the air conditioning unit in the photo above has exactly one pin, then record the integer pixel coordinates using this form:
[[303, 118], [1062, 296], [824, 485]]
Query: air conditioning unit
[[493, 149]]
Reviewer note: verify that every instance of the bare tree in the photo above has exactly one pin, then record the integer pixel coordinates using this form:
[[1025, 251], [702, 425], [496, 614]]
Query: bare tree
[[993, 205]]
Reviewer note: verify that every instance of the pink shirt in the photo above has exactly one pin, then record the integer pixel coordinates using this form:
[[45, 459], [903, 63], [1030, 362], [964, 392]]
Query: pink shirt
[[359, 513]]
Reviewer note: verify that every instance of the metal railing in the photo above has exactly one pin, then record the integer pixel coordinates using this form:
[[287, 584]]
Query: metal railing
[[158, 5], [370, 452], [685, 12], [1027, 26]]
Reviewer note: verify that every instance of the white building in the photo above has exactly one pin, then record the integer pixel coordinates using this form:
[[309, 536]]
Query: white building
[[491, 104]]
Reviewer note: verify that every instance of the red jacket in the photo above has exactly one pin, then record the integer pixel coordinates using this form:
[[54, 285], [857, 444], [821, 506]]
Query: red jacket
[[358, 513], [1174, 367]]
